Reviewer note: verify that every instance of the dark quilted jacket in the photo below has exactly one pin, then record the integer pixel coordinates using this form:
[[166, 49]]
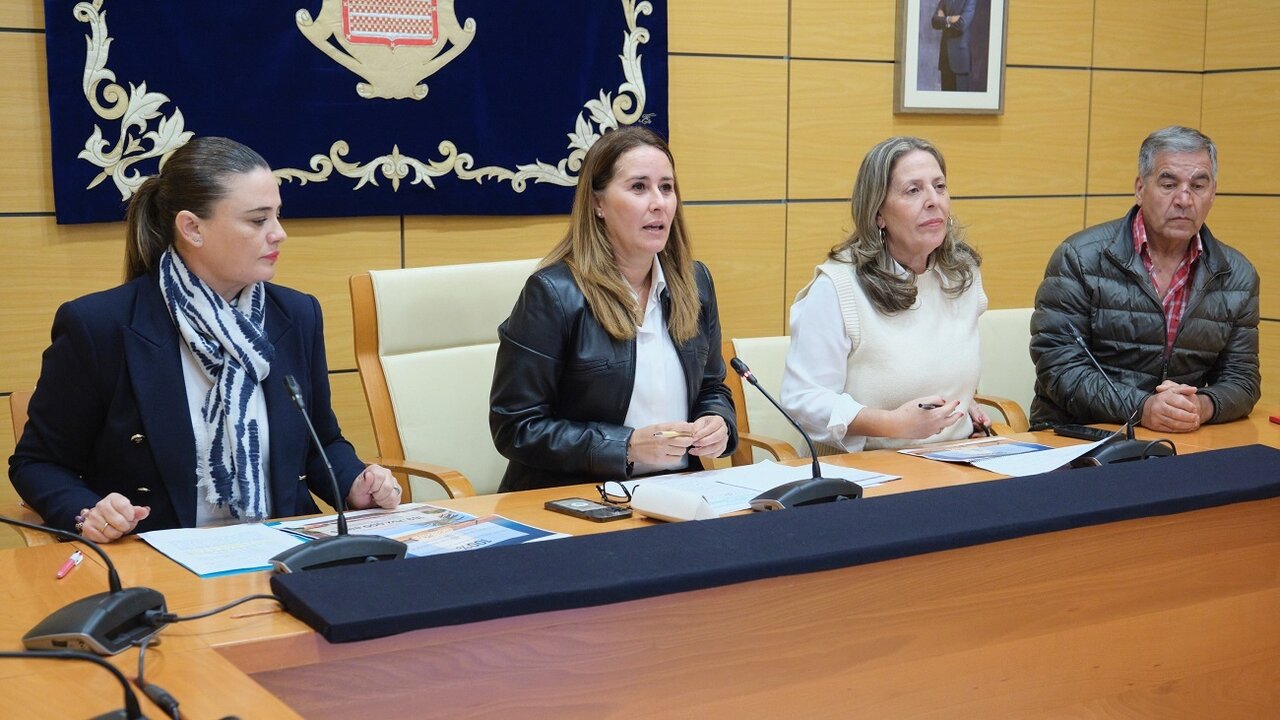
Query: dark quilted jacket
[[1097, 283]]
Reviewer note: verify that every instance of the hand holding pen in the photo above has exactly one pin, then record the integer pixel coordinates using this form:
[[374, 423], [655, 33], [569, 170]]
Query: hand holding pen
[[925, 417], [661, 443]]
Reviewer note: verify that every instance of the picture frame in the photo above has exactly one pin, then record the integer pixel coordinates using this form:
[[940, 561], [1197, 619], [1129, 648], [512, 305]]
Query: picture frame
[[950, 63]]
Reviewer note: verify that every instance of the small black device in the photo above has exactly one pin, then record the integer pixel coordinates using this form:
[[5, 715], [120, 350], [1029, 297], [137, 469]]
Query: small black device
[[588, 509], [1082, 432], [105, 623]]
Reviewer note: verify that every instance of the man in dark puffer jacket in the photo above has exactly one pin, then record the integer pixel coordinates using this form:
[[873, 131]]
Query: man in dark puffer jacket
[[1170, 312]]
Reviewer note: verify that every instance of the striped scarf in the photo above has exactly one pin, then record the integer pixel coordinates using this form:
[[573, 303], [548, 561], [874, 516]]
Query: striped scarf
[[231, 347]]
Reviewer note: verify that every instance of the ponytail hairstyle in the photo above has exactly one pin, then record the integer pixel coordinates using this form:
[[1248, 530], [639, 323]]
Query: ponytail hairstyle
[[193, 178], [587, 251]]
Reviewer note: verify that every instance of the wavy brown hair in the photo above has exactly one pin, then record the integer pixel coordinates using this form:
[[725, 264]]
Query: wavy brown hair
[[193, 178], [587, 251], [866, 248]]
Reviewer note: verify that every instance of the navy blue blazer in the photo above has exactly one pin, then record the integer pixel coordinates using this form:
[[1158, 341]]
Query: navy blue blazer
[[110, 413]]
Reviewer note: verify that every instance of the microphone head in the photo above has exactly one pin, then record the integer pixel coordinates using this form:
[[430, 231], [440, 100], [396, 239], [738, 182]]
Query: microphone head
[[739, 367], [295, 392]]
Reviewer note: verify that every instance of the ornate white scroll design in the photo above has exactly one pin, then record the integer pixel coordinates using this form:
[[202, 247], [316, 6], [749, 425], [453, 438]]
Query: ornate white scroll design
[[138, 140]]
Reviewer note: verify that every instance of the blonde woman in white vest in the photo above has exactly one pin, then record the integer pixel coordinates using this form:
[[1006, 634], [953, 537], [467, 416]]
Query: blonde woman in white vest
[[884, 339]]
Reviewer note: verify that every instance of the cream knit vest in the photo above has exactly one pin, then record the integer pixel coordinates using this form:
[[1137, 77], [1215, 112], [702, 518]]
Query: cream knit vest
[[929, 349]]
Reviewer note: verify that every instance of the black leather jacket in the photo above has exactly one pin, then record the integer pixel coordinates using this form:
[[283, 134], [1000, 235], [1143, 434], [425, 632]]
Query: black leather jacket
[[562, 385], [1097, 283]]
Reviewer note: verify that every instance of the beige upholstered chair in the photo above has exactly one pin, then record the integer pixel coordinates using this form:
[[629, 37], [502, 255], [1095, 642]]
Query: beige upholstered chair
[[1007, 370], [18, 402], [762, 430], [426, 340]]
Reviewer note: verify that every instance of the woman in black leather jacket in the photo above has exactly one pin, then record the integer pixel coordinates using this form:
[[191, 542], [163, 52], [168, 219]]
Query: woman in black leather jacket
[[610, 365]]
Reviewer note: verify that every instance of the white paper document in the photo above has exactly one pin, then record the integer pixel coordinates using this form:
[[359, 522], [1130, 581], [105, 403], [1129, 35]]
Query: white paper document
[[211, 551], [1034, 463], [731, 489]]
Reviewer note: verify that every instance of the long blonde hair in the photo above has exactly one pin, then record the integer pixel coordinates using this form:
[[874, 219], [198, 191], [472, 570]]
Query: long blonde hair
[[587, 251], [866, 249]]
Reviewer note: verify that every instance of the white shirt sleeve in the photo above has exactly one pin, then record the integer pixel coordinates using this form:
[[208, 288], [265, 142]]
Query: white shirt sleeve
[[814, 377]]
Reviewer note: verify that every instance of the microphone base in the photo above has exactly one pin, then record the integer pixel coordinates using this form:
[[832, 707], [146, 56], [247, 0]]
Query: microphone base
[[338, 550], [1118, 451], [106, 623], [806, 492]]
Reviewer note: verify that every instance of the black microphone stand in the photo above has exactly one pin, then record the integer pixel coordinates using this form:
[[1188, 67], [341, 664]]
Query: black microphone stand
[[1113, 450], [809, 491], [340, 549], [105, 623]]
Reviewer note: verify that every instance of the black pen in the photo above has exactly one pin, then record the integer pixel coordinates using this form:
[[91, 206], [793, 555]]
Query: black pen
[[929, 406]]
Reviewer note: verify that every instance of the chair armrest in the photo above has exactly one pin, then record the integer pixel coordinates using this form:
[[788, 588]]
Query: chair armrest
[[1012, 411], [20, 511], [780, 450], [453, 482]]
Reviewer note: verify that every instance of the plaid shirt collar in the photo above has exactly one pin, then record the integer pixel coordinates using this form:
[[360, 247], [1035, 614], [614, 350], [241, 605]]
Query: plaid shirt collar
[[1174, 300]]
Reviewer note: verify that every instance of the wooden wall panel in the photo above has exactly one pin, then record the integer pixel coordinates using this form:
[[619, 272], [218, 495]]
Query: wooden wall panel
[[1248, 225], [1101, 209], [22, 14], [727, 27], [1242, 115], [728, 127], [353, 413], [321, 255], [840, 29], [1149, 35], [1015, 238], [743, 246], [1125, 108], [1050, 32], [813, 228], [26, 179], [1242, 35], [839, 110], [431, 240], [45, 265]]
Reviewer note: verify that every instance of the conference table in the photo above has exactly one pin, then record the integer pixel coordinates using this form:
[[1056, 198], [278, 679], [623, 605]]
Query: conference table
[[1171, 616]]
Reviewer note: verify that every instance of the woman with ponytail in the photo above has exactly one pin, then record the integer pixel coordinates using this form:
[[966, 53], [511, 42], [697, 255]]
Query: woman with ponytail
[[161, 403]]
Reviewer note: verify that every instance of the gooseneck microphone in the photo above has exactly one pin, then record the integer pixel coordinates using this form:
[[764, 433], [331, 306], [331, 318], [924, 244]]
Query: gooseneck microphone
[[132, 710], [104, 623], [341, 549], [816, 489], [1129, 448]]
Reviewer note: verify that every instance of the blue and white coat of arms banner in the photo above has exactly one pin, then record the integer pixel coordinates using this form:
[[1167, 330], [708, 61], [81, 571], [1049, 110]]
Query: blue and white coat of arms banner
[[362, 107]]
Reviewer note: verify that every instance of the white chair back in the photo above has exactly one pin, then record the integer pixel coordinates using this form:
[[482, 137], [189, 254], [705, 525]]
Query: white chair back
[[767, 356], [1007, 370], [437, 341]]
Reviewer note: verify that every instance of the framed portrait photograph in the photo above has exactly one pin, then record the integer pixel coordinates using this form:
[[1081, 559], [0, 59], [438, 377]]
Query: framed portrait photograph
[[950, 56]]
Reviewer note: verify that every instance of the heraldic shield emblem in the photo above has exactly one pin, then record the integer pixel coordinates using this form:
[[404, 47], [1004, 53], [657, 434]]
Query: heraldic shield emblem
[[393, 44]]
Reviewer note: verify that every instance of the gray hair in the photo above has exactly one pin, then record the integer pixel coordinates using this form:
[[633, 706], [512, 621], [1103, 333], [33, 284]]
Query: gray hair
[[1176, 139]]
